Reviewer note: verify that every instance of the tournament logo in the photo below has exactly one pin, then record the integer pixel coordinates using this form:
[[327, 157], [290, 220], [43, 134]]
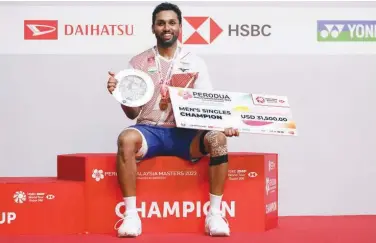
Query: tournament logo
[[185, 94]]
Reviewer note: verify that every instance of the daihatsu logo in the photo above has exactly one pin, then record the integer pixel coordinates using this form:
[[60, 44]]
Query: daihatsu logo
[[40, 29]]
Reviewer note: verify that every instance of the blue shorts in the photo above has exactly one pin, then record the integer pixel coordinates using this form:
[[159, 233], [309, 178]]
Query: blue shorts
[[164, 141]]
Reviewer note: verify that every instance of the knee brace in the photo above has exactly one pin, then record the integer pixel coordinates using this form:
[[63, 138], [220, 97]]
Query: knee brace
[[218, 148], [218, 160]]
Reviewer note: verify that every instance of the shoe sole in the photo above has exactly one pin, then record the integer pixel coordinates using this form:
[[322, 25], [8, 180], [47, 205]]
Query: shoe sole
[[130, 235], [127, 236], [216, 235]]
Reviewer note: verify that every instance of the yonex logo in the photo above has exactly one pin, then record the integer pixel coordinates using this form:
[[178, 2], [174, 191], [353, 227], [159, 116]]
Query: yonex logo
[[346, 30], [331, 31], [199, 30]]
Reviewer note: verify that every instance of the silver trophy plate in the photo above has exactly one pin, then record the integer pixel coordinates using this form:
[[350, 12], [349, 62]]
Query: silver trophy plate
[[134, 88]]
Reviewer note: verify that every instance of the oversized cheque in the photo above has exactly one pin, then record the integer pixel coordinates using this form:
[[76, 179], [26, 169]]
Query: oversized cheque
[[216, 110]]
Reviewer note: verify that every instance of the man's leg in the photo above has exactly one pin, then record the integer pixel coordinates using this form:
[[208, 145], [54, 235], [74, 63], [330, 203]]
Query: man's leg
[[134, 143], [214, 143], [191, 144], [129, 143]]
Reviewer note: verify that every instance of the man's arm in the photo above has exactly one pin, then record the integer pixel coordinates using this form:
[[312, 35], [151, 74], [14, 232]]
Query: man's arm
[[131, 112]]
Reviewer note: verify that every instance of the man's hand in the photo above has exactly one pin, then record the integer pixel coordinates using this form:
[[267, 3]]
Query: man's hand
[[111, 83], [130, 112], [229, 132]]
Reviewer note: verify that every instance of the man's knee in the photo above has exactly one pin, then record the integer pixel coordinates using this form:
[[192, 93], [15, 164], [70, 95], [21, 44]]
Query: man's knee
[[129, 141], [215, 138], [217, 146]]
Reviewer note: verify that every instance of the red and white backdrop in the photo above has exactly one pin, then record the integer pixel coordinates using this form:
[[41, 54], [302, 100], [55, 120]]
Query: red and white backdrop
[[53, 97]]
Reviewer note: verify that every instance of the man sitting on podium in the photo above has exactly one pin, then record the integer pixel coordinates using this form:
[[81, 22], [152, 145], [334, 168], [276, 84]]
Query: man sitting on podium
[[155, 132]]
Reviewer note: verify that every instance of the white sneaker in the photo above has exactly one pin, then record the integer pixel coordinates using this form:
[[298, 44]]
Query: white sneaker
[[131, 225], [216, 225]]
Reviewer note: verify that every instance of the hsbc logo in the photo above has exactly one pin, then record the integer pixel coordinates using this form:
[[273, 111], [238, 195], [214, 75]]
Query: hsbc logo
[[252, 174], [199, 31], [40, 29], [50, 196], [253, 30], [204, 30]]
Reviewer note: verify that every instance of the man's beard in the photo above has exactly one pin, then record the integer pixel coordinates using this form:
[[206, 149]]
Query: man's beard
[[166, 43]]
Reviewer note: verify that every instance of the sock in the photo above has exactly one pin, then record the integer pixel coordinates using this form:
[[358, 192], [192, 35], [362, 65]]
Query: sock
[[215, 203], [130, 204]]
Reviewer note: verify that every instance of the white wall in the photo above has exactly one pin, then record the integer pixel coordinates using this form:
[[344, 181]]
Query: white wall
[[55, 104]]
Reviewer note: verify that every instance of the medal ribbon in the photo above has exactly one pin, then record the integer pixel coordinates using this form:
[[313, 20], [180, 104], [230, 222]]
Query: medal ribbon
[[167, 80]]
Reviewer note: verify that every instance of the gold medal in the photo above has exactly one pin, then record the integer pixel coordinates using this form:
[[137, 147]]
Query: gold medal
[[165, 99]]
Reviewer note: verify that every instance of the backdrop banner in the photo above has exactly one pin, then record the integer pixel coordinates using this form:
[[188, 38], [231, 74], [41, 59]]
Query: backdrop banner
[[212, 30]]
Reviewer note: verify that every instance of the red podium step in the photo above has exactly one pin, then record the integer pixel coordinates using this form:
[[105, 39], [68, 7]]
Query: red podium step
[[173, 194], [41, 206]]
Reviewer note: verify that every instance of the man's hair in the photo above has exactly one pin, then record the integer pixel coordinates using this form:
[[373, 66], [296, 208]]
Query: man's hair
[[165, 7]]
